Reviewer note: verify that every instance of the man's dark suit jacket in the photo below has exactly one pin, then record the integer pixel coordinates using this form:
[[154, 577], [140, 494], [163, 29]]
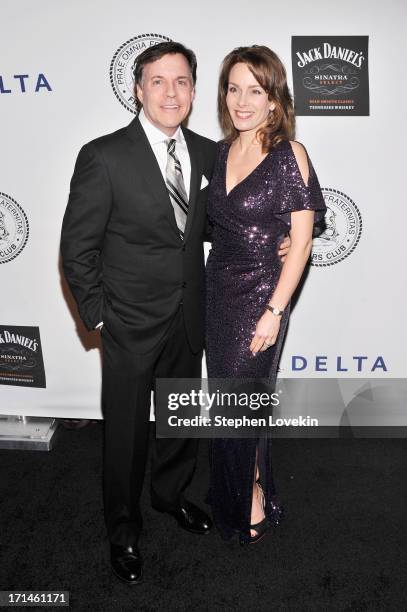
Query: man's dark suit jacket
[[122, 254]]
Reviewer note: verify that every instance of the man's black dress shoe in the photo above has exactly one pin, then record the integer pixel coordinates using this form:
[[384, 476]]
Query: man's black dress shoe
[[127, 563], [191, 518]]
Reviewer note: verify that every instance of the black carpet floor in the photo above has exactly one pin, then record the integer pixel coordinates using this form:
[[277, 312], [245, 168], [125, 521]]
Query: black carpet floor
[[342, 545]]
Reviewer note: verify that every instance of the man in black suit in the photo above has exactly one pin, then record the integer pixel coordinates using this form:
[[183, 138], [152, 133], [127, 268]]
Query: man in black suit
[[132, 251], [135, 262]]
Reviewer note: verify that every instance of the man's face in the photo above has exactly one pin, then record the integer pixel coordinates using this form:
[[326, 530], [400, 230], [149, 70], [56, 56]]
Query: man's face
[[166, 92]]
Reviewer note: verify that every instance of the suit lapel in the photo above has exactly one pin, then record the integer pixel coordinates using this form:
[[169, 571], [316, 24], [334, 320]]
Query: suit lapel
[[194, 186], [150, 170], [148, 166]]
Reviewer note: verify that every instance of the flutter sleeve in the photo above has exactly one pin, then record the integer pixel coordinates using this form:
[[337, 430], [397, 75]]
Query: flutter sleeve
[[293, 194]]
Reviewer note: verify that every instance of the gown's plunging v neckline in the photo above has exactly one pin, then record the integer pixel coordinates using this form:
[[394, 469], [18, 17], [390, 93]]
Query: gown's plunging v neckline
[[246, 177]]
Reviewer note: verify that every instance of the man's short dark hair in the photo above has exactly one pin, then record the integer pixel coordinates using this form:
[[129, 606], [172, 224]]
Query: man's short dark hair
[[156, 52]]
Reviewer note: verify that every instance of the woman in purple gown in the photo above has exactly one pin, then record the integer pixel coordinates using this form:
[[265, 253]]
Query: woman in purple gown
[[263, 186]]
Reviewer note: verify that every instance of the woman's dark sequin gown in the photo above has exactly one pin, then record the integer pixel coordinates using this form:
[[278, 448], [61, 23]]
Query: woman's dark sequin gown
[[242, 272]]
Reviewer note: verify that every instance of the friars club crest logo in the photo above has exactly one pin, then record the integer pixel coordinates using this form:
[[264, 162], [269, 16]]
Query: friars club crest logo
[[122, 66], [13, 228], [343, 228]]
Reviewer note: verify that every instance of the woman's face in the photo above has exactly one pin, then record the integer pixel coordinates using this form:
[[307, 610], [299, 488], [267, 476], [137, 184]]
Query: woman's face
[[247, 102]]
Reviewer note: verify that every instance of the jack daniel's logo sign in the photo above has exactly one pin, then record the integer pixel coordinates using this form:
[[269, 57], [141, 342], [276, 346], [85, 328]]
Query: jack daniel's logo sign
[[330, 75], [21, 361], [9, 338], [328, 51]]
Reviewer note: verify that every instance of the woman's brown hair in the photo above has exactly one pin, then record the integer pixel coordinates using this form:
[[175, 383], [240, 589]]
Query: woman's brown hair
[[270, 73]]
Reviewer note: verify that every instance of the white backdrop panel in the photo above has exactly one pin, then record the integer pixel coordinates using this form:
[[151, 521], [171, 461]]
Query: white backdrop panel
[[355, 307]]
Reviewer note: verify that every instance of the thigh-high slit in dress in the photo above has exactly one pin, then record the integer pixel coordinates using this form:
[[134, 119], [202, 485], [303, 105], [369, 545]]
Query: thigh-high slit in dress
[[242, 272]]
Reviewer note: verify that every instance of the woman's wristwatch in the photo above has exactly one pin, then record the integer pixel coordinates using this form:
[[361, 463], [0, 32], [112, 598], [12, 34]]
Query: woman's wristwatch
[[275, 311]]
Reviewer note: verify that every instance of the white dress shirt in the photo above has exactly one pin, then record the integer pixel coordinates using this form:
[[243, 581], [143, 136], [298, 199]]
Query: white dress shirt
[[157, 140]]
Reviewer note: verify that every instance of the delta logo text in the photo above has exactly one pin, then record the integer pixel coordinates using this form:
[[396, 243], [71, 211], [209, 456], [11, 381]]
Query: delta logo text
[[339, 363], [122, 67], [24, 83], [343, 228], [14, 228]]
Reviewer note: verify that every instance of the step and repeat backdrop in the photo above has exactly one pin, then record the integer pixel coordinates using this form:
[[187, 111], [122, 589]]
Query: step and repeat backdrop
[[66, 78]]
